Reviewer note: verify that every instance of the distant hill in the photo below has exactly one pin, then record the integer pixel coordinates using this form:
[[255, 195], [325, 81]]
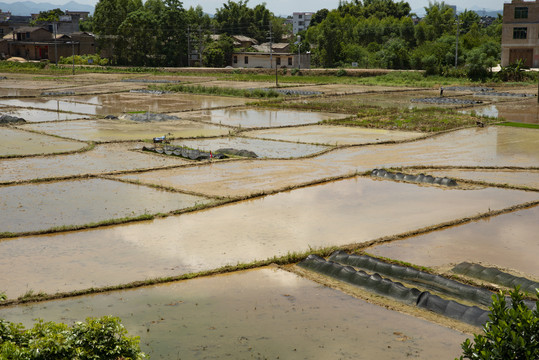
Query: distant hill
[[25, 8]]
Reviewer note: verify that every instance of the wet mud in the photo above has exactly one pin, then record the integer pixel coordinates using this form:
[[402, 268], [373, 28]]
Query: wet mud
[[18, 142], [221, 315], [118, 130], [332, 135], [105, 158], [256, 118], [262, 148], [507, 241], [32, 115], [524, 111], [334, 214], [38, 207]]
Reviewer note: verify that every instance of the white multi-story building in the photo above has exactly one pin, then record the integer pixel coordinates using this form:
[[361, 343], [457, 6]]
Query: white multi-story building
[[301, 21]]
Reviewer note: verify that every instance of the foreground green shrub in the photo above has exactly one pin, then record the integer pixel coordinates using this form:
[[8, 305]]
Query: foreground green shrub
[[511, 333], [90, 59], [96, 338]]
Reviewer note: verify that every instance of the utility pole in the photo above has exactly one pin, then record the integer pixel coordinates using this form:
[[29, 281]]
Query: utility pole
[[299, 53], [457, 45], [188, 46], [55, 28], [271, 46], [200, 46]]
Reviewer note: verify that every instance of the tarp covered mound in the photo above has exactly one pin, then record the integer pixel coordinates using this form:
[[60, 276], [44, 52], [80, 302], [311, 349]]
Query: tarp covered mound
[[187, 153], [422, 178], [432, 282], [446, 100], [496, 276], [9, 119], [236, 152], [375, 283]]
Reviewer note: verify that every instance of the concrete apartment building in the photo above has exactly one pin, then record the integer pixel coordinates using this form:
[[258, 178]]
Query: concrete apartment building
[[520, 33], [301, 21]]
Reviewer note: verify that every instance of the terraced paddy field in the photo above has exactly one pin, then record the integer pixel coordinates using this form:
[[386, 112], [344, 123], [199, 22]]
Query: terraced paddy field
[[85, 230]]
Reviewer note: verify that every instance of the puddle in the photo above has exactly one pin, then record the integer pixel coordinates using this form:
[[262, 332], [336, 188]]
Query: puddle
[[256, 118], [332, 135], [124, 102], [18, 142], [221, 317], [35, 207], [262, 148], [104, 158], [525, 111], [32, 115], [337, 213], [507, 241], [529, 178], [111, 130]]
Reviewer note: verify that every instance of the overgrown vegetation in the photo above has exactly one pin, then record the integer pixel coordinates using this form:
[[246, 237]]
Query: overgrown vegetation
[[90, 59], [216, 90], [512, 332], [96, 338]]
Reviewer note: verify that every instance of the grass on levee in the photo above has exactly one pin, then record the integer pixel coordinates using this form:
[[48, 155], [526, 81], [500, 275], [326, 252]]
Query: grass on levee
[[520, 125]]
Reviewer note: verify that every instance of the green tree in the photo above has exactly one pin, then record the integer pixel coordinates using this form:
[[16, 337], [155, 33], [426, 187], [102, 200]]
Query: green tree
[[47, 16], [512, 332], [219, 53]]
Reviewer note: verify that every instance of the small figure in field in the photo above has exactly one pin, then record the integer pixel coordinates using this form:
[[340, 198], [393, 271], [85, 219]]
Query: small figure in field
[[441, 91]]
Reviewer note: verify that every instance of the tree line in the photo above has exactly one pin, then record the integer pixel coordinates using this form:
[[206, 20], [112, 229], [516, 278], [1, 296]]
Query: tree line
[[371, 33]]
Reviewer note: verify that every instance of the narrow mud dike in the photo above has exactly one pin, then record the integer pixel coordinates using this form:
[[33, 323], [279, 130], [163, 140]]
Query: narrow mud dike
[[422, 178], [472, 315], [496, 276]]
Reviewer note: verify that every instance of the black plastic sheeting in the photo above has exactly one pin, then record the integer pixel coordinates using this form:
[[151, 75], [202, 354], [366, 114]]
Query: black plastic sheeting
[[496, 276], [446, 100], [420, 278], [375, 283], [505, 94], [185, 152], [9, 119], [290, 91], [428, 179]]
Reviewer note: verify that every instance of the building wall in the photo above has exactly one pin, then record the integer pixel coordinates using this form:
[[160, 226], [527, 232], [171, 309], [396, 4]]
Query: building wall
[[526, 48], [301, 21], [255, 60]]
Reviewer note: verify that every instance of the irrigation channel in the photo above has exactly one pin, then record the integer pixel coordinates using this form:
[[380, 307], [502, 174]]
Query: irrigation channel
[[193, 255]]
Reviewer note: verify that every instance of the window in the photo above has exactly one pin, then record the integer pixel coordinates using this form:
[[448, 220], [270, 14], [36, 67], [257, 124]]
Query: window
[[235, 59], [246, 60], [300, 16], [278, 61], [521, 12], [520, 33], [290, 61], [28, 35], [301, 23]]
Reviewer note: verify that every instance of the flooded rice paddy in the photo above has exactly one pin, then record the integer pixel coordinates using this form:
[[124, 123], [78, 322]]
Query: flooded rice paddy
[[508, 241], [116, 104], [261, 118], [262, 148], [332, 135], [38, 207], [523, 110], [33, 115], [103, 159], [333, 214], [221, 317], [121, 130], [18, 142]]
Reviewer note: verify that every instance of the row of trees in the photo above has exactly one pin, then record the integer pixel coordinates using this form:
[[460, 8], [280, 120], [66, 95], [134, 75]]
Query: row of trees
[[372, 33], [382, 33]]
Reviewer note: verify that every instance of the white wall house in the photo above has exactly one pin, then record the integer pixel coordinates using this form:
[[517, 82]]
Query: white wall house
[[262, 60]]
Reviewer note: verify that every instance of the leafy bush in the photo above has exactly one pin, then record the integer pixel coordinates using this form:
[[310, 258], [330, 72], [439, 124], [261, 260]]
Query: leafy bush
[[341, 72], [96, 338], [295, 71], [90, 59], [511, 333]]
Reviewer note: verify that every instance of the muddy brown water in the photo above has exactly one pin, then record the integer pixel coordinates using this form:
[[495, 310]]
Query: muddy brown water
[[525, 111], [526, 178], [255, 118], [332, 135], [114, 130], [103, 158], [493, 146], [221, 317], [35, 207], [337, 213], [507, 241], [262, 148], [18, 142], [116, 104], [33, 115]]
